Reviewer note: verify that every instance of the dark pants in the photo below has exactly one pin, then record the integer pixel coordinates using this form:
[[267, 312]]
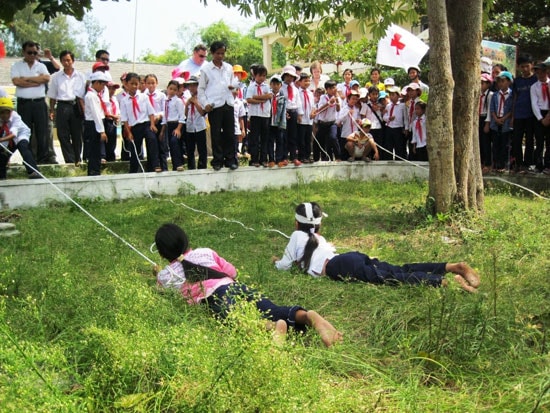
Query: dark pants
[[542, 137], [221, 301], [108, 148], [258, 139], [222, 129], [196, 140], [143, 131], [69, 131], [328, 140], [485, 150], [396, 141], [94, 148], [355, 266], [304, 142], [24, 149], [175, 144], [523, 127], [292, 134], [378, 136], [34, 114], [276, 147], [501, 148], [421, 154], [162, 148]]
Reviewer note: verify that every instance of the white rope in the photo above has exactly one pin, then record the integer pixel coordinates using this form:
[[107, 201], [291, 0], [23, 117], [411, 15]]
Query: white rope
[[93, 218]]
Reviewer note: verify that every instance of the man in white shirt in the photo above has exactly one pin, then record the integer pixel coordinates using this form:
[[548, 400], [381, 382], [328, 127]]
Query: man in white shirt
[[66, 93], [216, 84], [30, 78]]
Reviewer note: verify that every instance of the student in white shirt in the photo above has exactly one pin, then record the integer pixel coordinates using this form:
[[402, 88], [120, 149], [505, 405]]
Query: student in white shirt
[[173, 123], [196, 126], [305, 126], [327, 111], [395, 118], [419, 136], [540, 103], [348, 118], [157, 100], [94, 129]]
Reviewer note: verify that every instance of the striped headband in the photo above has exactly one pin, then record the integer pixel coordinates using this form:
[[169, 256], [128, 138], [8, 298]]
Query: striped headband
[[309, 218]]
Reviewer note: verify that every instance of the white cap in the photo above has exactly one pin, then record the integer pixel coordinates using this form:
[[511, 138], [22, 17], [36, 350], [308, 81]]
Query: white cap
[[100, 76], [389, 82]]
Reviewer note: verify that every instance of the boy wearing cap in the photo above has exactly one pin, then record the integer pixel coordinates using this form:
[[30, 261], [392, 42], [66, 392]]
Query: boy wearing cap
[[359, 143], [94, 128], [258, 97], [540, 103], [348, 119], [414, 75], [294, 112], [501, 115], [484, 121], [14, 135], [195, 127], [395, 118]]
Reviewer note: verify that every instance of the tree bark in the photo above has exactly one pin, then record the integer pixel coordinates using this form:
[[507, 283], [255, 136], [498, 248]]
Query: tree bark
[[442, 184], [465, 42]]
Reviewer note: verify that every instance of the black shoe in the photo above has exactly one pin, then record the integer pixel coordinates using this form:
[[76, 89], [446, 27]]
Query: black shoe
[[217, 167], [233, 166], [34, 175]]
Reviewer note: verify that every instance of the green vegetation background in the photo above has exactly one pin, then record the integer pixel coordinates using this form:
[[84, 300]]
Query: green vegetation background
[[84, 328]]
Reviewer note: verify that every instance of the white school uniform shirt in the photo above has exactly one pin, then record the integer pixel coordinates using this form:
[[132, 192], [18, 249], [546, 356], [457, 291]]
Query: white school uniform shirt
[[538, 102], [67, 87], [262, 110], [143, 109], [294, 252], [18, 128], [239, 112], [308, 103], [410, 112], [347, 121], [330, 113], [93, 110], [174, 110], [112, 106], [195, 122], [484, 105], [22, 69], [368, 112], [343, 88], [214, 85], [158, 100], [418, 127], [296, 102], [398, 110]]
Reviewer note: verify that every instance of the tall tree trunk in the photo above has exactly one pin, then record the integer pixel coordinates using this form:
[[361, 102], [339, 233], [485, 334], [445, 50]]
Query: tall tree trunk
[[442, 184], [465, 41]]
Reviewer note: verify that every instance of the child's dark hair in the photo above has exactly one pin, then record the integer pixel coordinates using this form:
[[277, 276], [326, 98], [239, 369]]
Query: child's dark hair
[[373, 89], [422, 105], [131, 75], [171, 241], [304, 75], [524, 58], [217, 45], [151, 75], [330, 84], [310, 229], [173, 82], [260, 70]]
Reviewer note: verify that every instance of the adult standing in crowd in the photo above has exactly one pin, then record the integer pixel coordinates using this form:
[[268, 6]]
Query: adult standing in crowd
[[66, 93], [194, 64], [216, 84], [414, 76], [30, 78]]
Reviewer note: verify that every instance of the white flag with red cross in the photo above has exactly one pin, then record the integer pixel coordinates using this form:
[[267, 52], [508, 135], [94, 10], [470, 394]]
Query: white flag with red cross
[[400, 48]]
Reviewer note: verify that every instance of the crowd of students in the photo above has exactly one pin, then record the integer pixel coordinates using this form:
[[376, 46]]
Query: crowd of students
[[293, 118]]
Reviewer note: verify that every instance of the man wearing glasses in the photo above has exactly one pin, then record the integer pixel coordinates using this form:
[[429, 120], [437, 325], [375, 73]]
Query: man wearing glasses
[[30, 78], [194, 64]]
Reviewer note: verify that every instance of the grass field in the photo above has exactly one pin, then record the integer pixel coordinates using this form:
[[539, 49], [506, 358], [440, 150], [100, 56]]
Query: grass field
[[84, 328]]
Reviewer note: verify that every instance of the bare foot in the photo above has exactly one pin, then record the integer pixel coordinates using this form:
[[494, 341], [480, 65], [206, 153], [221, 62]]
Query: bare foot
[[464, 284], [279, 331], [467, 273], [329, 334]]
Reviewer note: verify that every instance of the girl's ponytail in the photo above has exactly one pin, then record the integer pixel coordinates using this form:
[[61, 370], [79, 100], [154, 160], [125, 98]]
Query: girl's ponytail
[[309, 215]]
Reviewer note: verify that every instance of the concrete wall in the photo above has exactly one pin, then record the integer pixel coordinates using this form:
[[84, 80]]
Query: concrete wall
[[30, 193]]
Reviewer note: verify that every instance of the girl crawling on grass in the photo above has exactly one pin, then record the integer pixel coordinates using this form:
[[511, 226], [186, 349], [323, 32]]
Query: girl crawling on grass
[[314, 255], [203, 276]]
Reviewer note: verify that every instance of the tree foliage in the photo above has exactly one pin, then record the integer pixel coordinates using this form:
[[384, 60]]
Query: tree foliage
[[525, 24], [56, 35], [172, 56]]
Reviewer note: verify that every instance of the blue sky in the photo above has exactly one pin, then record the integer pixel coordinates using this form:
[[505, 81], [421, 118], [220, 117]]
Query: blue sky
[[157, 22]]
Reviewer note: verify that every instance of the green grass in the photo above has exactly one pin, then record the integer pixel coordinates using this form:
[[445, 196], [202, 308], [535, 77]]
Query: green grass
[[83, 327]]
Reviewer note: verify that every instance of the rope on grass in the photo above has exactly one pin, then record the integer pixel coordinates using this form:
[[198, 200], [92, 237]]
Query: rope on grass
[[93, 218]]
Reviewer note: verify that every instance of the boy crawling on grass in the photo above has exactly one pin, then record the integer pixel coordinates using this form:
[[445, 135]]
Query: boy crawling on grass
[[203, 276]]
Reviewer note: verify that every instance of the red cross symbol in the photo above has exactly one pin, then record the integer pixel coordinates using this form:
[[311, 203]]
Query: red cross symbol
[[395, 42]]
